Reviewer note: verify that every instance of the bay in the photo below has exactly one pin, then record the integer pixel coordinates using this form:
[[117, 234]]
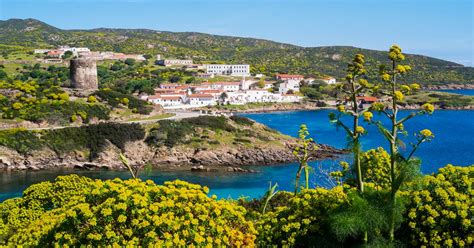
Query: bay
[[453, 129]]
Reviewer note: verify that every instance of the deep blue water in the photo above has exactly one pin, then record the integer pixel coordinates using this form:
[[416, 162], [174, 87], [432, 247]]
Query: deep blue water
[[454, 131], [461, 92]]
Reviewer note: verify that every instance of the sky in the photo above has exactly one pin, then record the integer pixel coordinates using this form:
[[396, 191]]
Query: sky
[[437, 28]]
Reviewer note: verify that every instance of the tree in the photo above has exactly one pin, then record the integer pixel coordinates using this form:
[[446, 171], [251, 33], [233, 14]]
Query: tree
[[67, 55], [129, 61]]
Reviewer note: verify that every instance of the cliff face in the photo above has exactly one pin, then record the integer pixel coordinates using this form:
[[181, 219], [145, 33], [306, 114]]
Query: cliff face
[[206, 143]]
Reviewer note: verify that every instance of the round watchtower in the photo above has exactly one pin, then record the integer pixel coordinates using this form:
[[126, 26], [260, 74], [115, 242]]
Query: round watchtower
[[83, 73]]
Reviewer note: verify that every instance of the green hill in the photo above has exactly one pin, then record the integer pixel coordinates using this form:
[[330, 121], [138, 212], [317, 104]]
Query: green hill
[[265, 56]]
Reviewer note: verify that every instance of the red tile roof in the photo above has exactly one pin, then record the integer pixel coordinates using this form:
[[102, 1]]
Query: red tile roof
[[368, 98], [201, 96], [289, 76]]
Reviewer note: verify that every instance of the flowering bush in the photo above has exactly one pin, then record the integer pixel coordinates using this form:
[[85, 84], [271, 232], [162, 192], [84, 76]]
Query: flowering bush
[[75, 210], [440, 212], [303, 221]]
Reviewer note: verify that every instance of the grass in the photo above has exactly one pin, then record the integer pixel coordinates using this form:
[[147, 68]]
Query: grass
[[154, 117]]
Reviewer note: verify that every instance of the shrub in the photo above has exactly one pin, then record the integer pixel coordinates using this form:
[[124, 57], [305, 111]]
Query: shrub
[[75, 211], [20, 140], [242, 120], [92, 137], [304, 221], [212, 122], [440, 210], [114, 98]]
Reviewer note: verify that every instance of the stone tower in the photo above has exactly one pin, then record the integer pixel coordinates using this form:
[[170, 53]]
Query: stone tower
[[83, 73]]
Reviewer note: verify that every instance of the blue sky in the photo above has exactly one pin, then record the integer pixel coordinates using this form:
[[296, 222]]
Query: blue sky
[[442, 29]]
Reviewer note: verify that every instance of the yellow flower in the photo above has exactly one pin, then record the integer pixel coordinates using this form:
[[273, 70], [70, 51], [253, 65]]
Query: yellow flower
[[428, 108], [341, 108], [415, 86], [398, 95], [368, 116], [360, 129], [426, 133], [386, 77]]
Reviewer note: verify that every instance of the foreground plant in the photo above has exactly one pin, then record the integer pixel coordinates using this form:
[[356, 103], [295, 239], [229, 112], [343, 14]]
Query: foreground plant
[[354, 86], [401, 168], [78, 211], [303, 153]]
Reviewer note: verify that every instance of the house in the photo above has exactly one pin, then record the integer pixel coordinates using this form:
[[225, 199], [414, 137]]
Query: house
[[171, 62], [55, 54], [287, 77], [169, 86], [201, 99], [367, 99], [43, 51], [230, 86], [289, 86], [232, 70], [328, 80], [165, 101], [205, 75]]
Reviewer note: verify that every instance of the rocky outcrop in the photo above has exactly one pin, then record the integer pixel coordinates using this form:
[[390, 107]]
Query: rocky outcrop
[[225, 159]]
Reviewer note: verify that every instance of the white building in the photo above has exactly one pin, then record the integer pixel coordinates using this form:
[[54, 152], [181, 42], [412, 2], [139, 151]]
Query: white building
[[42, 50], [166, 101], [171, 62], [328, 80], [232, 70], [292, 85], [230, 86], [201, 100]]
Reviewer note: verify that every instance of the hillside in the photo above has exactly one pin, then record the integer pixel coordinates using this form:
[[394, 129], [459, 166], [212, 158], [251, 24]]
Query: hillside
[[264, 56]]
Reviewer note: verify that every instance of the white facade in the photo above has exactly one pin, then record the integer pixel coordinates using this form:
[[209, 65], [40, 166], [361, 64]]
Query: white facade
[[42, 50], [231, 86], [293, 85], [166, 101], [170, 62], [232, 70], [202, 100], [329, 80]]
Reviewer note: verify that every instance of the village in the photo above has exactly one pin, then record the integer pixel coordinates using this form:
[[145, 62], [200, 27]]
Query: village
[[283, 88]]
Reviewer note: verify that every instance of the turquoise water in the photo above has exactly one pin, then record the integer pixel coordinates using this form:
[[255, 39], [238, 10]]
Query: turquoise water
[[461, 92], [454, 131]]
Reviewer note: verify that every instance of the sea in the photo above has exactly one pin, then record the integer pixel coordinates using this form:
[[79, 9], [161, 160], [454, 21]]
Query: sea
[[453, 144]]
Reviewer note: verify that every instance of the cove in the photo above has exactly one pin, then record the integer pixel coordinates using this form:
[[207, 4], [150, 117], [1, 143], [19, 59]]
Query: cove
[[453, 129]]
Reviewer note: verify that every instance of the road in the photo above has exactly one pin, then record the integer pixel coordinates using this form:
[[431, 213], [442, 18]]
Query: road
[[178, 116]]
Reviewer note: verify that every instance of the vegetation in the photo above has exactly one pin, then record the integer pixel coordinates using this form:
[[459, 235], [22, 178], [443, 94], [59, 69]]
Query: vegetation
[[75, 211], [210, 132], [92, 138], [265, 56]]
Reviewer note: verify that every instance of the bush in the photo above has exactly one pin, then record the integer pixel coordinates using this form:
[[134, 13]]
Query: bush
[[440, 210], [76, 211], [114, 98], [212, 122], [92, 137], [242, 120], [20, 140], [303, 221]]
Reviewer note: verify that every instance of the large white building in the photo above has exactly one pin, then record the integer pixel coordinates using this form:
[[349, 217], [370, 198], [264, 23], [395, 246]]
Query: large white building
[[232, 70]]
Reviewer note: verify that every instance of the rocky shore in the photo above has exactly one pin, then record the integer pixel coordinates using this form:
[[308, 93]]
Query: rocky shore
[[450, 87], [225, 159]]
